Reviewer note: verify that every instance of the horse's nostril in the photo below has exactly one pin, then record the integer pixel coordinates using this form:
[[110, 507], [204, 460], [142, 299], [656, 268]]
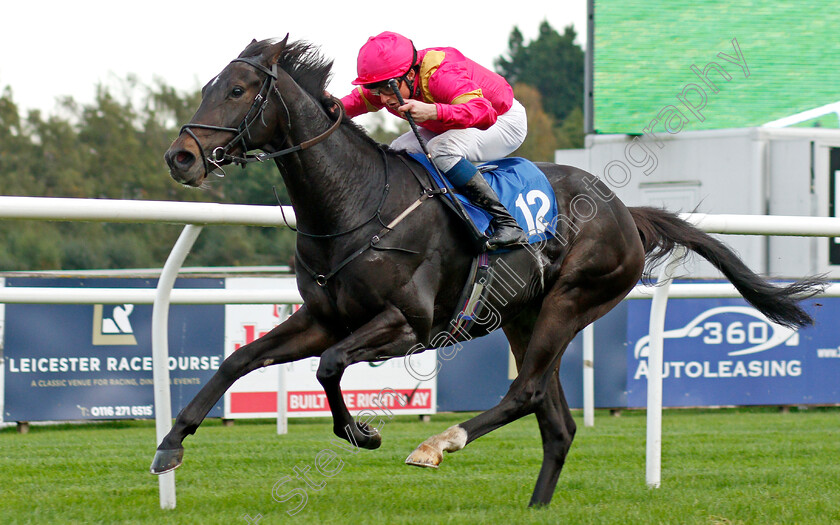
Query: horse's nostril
[[180, 159]]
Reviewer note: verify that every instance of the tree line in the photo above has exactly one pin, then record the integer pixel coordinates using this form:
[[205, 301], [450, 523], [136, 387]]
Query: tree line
[[113, 148]]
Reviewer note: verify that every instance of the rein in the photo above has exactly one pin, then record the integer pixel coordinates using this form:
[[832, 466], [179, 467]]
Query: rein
[[256, 111], [221, 154]]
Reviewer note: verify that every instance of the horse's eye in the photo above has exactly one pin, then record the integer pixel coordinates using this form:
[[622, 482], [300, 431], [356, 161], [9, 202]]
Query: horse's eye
[[237, 92]]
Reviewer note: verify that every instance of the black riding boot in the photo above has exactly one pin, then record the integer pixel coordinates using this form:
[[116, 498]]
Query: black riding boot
[[506, 230]]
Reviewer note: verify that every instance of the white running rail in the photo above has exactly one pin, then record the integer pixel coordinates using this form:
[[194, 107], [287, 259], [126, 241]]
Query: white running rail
[[195, 215]]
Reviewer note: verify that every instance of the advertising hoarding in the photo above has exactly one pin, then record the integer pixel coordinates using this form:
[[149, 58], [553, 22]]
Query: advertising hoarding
[[720, 352], [77, 362], [255, 395], [666, 67]]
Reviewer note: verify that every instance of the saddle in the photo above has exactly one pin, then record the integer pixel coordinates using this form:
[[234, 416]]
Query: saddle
[[522, 188], [526, 193]]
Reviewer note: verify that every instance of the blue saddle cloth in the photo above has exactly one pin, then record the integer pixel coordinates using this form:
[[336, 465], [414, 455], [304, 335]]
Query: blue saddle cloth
[[522, 188]]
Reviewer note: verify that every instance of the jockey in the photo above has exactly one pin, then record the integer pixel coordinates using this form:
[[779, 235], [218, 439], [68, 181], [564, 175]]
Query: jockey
[[466, 114]]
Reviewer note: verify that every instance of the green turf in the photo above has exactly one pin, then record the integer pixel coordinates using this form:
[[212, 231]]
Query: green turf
[[722, 466]]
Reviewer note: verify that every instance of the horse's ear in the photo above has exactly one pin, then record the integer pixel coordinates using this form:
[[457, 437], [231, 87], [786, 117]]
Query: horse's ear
[[276, 49]]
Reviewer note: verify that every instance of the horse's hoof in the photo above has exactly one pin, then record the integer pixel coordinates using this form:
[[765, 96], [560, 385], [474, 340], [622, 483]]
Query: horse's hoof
[[369, 442], [373, 443], [372, 439], [425, 456], [167, 460]]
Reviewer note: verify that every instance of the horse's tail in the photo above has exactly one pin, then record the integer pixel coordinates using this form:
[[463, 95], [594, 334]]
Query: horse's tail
[[661, 230]]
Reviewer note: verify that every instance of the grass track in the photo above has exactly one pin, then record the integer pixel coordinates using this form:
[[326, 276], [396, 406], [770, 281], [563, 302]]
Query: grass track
[[719, 466]]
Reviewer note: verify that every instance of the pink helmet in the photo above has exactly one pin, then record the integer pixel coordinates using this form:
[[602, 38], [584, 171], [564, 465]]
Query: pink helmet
[[384, 56]]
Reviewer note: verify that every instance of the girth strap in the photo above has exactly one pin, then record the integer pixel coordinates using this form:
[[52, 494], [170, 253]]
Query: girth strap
[[321, 279], [473, 297]]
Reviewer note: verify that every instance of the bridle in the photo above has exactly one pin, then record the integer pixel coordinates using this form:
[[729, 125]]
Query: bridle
[[222, 154]]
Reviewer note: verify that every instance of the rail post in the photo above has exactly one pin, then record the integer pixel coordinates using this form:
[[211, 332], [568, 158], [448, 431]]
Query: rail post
[[160, 351]]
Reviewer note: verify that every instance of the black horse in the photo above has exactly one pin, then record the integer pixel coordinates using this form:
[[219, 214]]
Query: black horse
[[382, 260]]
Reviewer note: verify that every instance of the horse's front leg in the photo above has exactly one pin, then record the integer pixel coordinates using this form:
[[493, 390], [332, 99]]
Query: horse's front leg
[[298, 337], [386, 335]]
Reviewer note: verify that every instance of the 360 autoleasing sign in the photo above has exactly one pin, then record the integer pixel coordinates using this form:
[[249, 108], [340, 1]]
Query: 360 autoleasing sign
[[69, 362], [724, 352]]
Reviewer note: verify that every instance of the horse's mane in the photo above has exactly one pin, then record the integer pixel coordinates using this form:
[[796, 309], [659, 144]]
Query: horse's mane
[[303, 62]]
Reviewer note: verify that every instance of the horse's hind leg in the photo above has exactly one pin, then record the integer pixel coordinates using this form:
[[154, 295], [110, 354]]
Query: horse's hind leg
[[527, 393], [557, 426], [536, 388], [557, 429], [298, 337]]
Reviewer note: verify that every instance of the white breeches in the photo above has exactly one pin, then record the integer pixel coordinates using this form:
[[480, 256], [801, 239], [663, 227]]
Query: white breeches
[[475, 145]]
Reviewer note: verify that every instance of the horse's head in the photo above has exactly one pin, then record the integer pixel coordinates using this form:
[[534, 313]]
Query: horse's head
[[232, 117]]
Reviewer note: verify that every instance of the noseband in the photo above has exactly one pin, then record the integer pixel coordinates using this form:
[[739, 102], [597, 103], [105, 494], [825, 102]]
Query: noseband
[[221, 154]]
